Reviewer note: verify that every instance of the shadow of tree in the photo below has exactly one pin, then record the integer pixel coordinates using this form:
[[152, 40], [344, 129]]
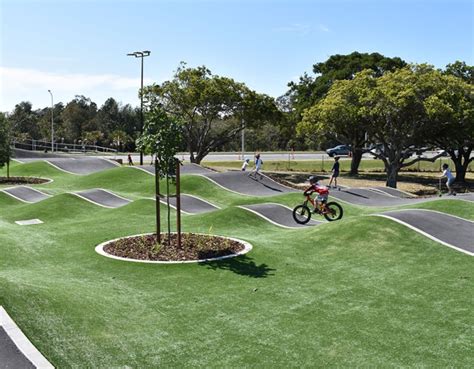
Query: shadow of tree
[[242, 265]]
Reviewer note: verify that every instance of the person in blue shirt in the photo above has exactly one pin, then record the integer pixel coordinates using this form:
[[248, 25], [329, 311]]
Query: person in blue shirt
[[256, 169]]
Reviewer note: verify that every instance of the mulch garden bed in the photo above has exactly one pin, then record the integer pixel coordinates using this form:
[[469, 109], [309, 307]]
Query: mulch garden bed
[[193, 247], [22, 180]]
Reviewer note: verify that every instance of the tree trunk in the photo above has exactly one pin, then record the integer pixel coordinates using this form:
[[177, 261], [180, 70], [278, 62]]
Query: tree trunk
[[355, 162], [157, 198], [392, 175], [178, 202], [8, 169], [168, 206], [461, 162]]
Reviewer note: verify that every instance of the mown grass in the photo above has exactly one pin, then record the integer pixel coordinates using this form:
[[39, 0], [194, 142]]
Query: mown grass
[[325, 165], [363, 291]]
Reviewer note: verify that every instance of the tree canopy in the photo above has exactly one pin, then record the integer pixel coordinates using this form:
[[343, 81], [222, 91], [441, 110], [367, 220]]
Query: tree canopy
[[213, 109]]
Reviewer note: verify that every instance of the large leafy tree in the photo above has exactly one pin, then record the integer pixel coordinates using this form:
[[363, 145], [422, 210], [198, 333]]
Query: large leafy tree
[[308, 90], [5, 142], [213, 109], [396, 111], [341, 114], [78, 117], [451, 111], [24, 121], [461, 70]]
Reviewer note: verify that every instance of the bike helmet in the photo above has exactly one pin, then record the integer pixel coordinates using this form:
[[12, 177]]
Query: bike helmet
[[312, 179]]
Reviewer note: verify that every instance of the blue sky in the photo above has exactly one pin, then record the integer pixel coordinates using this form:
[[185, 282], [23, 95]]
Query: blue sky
[[80, 47]]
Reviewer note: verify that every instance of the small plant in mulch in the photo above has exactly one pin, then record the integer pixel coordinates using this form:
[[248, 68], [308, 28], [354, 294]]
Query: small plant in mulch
[[21, 180], [193, 247]]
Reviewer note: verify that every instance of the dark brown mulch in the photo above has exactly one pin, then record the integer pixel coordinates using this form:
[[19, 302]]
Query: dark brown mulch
[[193, 247], [22, 180]]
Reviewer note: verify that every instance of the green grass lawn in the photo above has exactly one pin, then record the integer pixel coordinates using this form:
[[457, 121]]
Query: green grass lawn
[[360, 292], [320, 165]]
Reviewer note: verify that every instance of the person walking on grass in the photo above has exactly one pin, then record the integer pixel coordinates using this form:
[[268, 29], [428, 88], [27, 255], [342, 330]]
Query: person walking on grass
[[449, 179], [256, 169], [335, 172], [130, 161]]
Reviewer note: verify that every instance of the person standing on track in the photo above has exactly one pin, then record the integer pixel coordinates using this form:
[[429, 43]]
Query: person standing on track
[[335, 172], [256, 169], [450, 179]]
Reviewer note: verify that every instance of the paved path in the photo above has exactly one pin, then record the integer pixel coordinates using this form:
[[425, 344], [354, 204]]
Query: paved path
[[277, 214], [192, 204], [449, 230], [240, 182], [394, 192], [86, 165], [102, 198], [10, 356], [185, 169], [25, 194]]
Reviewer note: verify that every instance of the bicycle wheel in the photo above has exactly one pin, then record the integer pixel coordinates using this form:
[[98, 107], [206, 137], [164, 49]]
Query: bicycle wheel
[[333, 211], [301, 214]]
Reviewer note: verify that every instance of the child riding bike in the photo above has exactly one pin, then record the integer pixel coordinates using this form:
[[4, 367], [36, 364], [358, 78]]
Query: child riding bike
[[330, 210], [322, 191]]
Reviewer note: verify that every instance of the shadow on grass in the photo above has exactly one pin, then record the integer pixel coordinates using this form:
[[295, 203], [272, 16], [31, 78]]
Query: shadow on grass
[[242, 265]]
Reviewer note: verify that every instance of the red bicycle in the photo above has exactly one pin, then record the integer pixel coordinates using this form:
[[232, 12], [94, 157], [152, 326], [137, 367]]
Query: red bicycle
[[330, 210]]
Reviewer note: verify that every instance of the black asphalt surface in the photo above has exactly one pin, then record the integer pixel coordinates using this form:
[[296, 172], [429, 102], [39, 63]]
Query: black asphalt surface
[[192, 205], [185, 169], [10, 356], [394, 192], [37, 155], [452, 230], [240, 182], [368, 197], [279, 214], [26, 193], [103, 198], [82, 165]]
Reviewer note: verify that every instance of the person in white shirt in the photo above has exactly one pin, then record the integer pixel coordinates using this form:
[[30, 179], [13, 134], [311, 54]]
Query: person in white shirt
[[245, 164], [450, 179]]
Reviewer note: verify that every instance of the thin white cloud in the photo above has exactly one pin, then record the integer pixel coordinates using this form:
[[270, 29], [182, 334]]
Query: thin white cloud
[[18, 84], [28, 78], [302, 29], [323, 28]]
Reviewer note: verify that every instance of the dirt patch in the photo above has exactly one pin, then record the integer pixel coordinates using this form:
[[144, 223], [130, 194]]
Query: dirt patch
[[22, 180], [193, 247]]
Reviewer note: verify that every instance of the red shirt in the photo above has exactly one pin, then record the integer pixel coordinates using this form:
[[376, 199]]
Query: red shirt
[[322, 190]]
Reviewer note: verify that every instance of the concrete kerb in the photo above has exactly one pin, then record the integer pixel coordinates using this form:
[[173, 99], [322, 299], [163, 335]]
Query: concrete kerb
[[22, 342], [424, 233], [100, 250]]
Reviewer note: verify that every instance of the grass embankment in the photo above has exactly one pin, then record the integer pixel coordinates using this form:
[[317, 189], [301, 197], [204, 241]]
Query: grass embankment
[[363, 291]]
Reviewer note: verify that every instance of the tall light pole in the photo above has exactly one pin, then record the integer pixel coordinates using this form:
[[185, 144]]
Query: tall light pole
[[141, 54], [52, 122]]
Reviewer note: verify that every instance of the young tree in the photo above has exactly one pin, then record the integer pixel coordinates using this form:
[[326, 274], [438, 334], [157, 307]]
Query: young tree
[[5, 141], [213, 109], [162, 137]]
